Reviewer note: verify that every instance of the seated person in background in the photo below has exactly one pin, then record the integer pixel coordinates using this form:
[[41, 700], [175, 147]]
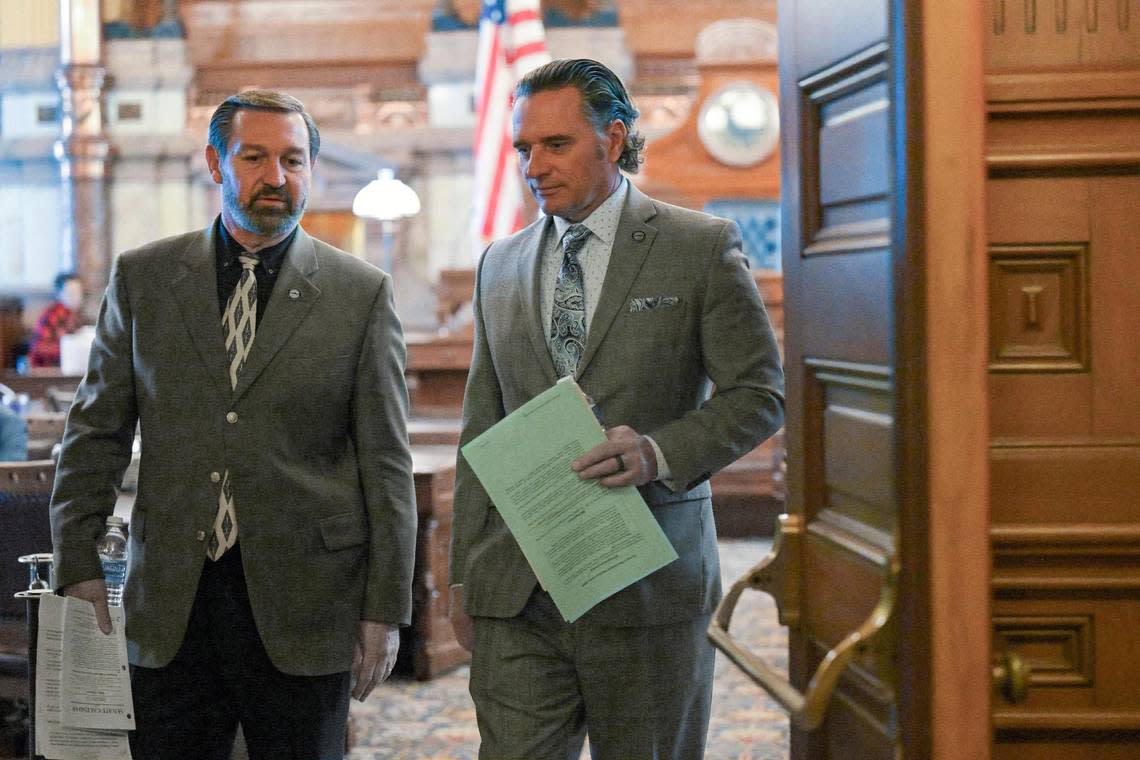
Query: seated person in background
[[13, 436], [60, 318]]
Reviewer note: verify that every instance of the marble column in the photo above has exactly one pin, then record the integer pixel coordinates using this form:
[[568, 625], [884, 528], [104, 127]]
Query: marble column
[[82, 148]]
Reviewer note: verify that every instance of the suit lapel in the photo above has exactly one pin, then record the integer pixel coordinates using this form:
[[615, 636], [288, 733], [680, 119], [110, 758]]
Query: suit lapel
[[293, 296], [531, 250], [195, 288], [632, 242]]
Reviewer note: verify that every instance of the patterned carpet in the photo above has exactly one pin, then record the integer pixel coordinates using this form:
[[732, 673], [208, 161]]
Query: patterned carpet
[[410, 720]]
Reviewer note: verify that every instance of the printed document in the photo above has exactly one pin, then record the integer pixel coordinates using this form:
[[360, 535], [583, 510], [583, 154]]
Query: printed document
[[83, 696], [584, 541]]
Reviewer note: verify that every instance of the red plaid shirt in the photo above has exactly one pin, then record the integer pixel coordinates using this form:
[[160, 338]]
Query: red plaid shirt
[[56, 321]]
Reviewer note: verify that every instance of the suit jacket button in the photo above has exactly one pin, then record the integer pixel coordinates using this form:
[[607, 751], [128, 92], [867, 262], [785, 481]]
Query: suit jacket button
[[231, 417], [200, 535], [215, 477]]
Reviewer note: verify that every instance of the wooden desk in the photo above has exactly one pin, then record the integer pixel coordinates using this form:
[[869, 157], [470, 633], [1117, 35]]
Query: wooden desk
[[45, 430], [749, 494], [428, 647], [434, 431], [36, 383], [455, 290], [437, 373]]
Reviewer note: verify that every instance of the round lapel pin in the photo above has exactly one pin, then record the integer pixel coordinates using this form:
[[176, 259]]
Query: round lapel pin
[[294, 294], [638, 235]]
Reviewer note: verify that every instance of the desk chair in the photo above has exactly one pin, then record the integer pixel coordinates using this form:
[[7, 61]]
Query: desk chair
[[58, 399], [25, 492], [45, 430]]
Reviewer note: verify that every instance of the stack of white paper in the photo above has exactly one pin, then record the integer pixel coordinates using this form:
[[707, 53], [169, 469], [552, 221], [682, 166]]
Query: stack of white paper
[[83, 685]]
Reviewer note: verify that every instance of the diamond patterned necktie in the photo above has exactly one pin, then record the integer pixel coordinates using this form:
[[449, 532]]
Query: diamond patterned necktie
[[240, 323], [568, 317]]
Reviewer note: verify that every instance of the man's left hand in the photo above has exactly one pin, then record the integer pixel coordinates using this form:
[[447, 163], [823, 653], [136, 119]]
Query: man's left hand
[[625, 459], [373, 657]]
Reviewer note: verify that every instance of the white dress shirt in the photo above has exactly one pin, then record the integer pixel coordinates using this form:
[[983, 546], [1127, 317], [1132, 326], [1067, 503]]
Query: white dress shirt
[[594, 258]]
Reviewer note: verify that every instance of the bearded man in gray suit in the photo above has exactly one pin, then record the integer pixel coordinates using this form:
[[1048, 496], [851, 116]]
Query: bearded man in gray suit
[[272, 535], [649, 306]]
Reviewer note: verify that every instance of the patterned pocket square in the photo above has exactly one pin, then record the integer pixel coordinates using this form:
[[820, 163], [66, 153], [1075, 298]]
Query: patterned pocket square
[[650, 303]]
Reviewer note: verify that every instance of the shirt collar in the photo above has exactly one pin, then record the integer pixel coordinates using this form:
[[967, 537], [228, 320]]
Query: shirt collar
[[228, 249], [602, 221]]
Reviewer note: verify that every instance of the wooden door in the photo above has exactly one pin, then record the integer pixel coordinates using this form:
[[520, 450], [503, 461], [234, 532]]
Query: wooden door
[[885, 324]]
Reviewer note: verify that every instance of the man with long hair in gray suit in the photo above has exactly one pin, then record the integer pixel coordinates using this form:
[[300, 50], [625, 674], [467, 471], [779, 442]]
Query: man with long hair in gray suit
[[273, 530], [649, 306]]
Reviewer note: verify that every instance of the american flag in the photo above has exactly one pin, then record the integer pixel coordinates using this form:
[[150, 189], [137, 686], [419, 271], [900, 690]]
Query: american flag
[[512, 41]]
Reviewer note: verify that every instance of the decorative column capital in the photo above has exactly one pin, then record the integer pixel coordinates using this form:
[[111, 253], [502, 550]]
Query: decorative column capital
[[81, 93], [82, 156], [80, 76]]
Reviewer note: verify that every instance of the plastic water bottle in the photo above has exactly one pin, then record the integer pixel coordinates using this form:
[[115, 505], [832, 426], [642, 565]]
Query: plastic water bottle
[[112, 548]]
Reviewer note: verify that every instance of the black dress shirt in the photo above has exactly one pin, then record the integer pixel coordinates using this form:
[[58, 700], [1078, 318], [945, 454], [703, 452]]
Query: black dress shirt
[[229, 268]]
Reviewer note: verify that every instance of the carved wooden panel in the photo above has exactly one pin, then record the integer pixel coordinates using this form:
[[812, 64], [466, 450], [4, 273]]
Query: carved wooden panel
[[668, 29], [1037, 745], [857, 428], [1063, 82], [364, 45], [1037, 481], [1058, 649], [1084, 696], [846, 111], [843, 207], [1038, 308], [848, 495], [1027, 34], [849, 460]]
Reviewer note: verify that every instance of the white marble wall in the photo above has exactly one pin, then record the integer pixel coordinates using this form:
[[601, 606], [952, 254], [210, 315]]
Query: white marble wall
[[29, 224], [20, 111], [149, 202]]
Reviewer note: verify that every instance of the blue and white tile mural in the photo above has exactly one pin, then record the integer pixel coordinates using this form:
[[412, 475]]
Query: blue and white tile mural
[[759, 225]]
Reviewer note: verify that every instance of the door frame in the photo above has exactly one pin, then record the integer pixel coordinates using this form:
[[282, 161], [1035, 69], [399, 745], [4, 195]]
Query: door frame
[[940, 362]]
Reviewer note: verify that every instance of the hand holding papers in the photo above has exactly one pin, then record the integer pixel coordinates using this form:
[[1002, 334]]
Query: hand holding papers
[[584, 541], [82, 683]]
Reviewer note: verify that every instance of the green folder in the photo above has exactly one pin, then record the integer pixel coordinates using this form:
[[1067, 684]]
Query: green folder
[[584, 541]]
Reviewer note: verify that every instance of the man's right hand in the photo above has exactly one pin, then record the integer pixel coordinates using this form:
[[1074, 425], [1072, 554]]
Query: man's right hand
[[461, 622], [94, 591]]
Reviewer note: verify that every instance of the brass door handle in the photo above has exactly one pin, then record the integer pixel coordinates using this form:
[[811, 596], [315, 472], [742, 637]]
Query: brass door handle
[[777, 575], [1011, 677]]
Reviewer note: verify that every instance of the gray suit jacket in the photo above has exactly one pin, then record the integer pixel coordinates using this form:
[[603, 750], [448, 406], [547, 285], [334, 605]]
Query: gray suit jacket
[[648, 364], [314, 437]]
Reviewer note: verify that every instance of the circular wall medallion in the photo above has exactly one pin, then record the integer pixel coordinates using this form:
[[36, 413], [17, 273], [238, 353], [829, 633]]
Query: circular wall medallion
[[739, 124]]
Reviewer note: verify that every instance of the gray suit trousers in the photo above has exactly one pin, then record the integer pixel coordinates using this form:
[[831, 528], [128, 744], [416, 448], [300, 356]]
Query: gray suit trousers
[[537, 681]]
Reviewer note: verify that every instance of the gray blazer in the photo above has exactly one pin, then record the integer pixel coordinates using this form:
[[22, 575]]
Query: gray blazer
[[314, 437], [678, 313]]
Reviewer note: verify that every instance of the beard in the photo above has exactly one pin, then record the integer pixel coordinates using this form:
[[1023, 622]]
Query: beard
[[268, 222]]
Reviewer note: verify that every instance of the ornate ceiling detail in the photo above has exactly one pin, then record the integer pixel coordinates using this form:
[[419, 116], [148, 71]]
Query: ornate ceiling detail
[[577, 10], [733, 40], [467, 11], [661, 114]]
